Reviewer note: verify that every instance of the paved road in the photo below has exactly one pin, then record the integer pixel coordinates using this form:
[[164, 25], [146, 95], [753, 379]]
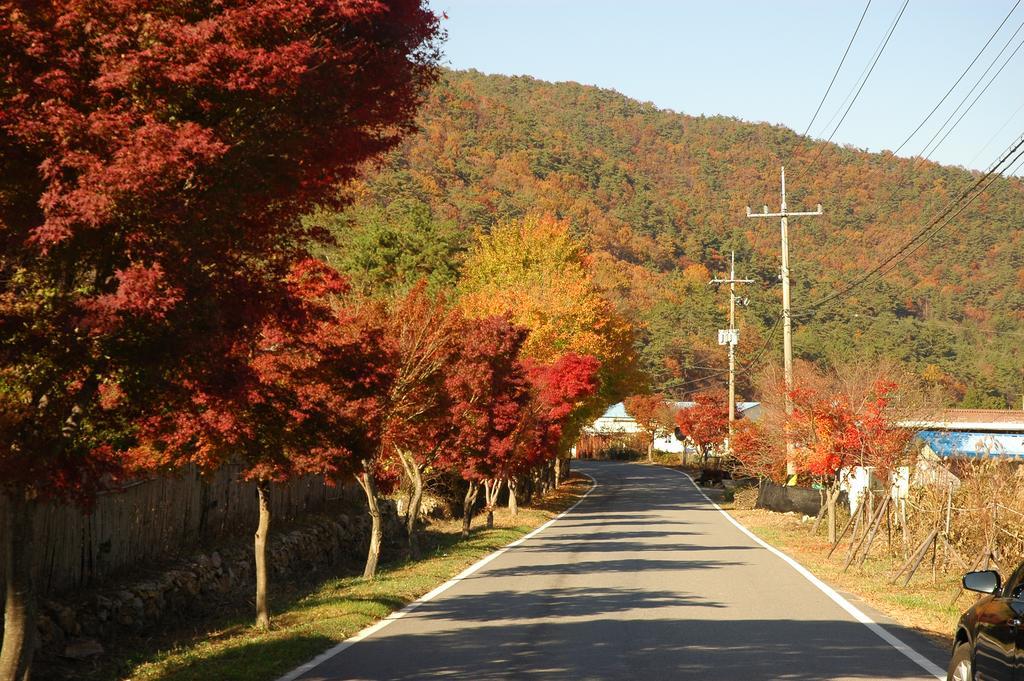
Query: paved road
[[644, 580]]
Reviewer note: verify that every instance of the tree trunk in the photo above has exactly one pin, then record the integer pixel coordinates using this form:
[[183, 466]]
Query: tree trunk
[[260, 551], [558, 473], [20, 607], [467, 507], [412, 516], [650, 451], [513, 502], [492, 488], [369, 486], [831, 501]]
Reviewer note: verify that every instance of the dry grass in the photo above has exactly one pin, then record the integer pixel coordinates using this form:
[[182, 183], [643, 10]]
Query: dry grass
[[306, 625]]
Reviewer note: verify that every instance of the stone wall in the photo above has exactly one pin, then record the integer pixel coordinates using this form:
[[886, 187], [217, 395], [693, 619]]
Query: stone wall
[[77, 626]]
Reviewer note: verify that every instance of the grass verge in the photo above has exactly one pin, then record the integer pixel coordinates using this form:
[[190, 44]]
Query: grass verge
[[304, 626], [923, 605]]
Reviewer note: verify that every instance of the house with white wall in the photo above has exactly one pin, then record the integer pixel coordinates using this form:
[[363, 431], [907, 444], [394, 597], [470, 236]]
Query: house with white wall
[[616, 420]]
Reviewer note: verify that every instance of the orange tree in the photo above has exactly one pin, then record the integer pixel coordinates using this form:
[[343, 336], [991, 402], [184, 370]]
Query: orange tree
[[755, 454], [706, 423], [652, 414], [842, 418]]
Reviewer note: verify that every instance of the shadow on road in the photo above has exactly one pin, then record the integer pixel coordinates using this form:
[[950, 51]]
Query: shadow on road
[[606, 547], [603, 566], [565, 602], [751, 650]]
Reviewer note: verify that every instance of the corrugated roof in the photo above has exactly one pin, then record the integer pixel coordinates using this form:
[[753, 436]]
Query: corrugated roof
[[973, 445], [994, 420], [982, 415]]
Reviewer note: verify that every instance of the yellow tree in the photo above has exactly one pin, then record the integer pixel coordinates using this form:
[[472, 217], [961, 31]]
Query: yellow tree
[[534, 270]]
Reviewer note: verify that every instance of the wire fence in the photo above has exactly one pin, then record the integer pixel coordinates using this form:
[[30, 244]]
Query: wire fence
[[973, 521]]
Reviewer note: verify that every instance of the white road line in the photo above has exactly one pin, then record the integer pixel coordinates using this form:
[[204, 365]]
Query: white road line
[[399, 614], [846, 605]]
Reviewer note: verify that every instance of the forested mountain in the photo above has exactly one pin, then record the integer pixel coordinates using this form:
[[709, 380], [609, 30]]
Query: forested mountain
[[660, 199]]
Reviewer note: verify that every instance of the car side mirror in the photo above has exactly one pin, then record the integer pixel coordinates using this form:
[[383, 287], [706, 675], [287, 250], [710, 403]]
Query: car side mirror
[[983, 581]]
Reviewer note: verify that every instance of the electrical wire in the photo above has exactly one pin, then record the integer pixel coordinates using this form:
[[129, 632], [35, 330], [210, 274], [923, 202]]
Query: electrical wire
[[838, 68], [922, 155], [871, 68], [953, 209], [965, 71], [890, 264], [849, 94], [995, 135]]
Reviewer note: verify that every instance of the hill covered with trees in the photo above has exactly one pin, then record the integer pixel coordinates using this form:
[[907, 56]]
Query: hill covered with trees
[[659, 198]]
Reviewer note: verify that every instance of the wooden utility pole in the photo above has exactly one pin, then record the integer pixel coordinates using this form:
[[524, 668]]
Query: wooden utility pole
[[787, 322], [732, 337]]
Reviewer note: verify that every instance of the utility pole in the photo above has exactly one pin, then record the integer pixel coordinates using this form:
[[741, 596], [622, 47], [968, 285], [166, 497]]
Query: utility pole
[[732, 337], [787, 322]]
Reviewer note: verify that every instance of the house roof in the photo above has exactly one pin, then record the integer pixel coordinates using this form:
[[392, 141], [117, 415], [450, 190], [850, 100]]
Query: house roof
[[974, 444], [971, 420], [617, 412], [740, 406]]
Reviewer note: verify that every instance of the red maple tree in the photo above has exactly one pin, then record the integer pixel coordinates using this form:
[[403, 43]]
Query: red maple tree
[[424, 333], [489, 391], [556, 391], [153, 162], [303, 398], [706, 423], [834, 430]]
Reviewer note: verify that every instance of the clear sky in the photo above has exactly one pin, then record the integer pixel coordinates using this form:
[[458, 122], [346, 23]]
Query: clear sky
[[767, 61]]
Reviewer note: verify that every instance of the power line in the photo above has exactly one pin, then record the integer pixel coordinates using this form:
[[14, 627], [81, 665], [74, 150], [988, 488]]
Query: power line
[[995, 135], [951, 217], [849, 94], [838, 68], [893, 261], [959, 204], [975, 101], [922, 154], [969, 67], [871, 68]]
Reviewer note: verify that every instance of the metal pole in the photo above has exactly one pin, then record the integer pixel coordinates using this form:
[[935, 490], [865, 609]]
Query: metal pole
[[787, 320]]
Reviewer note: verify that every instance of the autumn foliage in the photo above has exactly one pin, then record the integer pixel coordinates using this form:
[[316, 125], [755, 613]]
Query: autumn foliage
[[706, 422], [836, 430], [154, 162], [841, 418], [536, 271], [652, 414]]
